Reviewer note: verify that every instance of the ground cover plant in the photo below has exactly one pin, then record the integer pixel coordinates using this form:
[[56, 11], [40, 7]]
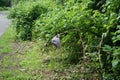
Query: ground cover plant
[[89, 34], [28, 60]]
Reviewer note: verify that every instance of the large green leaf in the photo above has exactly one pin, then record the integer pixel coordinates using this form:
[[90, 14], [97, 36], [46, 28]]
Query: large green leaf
[[115, 63]]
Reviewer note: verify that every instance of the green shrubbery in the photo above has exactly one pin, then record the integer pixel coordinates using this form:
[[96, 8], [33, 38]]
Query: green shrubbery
[[24, 15], [5, 3], [88, 28]]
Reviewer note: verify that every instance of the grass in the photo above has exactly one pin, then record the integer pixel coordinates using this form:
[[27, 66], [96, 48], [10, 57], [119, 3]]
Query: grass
[[25, 60], [33, 61], [5, 40]]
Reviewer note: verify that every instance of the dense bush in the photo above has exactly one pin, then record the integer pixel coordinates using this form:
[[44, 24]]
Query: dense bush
[[5, 3], [24, 15], [85, 28], [89, 30]]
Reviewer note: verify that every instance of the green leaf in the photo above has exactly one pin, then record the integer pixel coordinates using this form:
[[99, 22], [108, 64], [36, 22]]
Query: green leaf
[[116, 52], [107, 48], [114, 63]]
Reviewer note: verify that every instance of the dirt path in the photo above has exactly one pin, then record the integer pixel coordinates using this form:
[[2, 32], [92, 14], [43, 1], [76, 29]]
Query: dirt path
[[4, 21]]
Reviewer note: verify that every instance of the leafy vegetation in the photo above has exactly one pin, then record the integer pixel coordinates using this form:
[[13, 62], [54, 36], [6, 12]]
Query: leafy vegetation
[[28, 60], [5, 3], [89, 32], [26, 15]]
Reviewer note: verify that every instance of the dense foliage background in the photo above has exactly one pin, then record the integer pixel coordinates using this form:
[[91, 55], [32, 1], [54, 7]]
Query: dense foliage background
[[5, 3], [90, 31]]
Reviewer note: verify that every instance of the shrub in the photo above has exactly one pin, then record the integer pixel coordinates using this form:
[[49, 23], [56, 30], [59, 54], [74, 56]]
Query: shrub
[[5, 3], [24, 15], [86, 27]]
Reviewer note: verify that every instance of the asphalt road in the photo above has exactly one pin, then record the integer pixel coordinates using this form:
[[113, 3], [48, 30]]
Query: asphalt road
[[4, 22]]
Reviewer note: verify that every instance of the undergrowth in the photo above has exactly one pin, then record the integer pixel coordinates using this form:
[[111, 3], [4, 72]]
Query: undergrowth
[[89, 29], [26, 60]]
